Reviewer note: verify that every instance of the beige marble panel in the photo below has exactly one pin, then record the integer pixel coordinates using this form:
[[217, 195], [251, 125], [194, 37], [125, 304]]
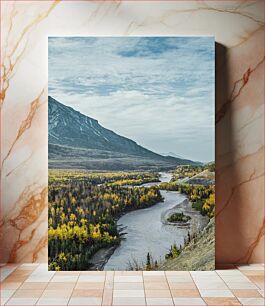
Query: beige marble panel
[[238, 28]]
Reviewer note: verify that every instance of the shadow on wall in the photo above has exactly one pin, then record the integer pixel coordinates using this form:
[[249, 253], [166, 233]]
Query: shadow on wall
[[232, 239], [225, 149], [221, 104]]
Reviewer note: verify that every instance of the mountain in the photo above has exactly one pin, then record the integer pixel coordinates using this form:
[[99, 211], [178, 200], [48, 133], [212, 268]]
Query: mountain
[[171, 154], [78, 141]]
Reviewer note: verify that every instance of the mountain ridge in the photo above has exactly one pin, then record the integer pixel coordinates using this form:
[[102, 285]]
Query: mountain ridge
[[71, 132]]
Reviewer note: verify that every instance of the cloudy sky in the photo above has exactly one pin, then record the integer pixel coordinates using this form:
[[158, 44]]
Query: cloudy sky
[[158, 91]]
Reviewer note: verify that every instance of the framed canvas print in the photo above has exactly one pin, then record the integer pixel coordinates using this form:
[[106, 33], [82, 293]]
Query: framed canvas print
[[131, 153]]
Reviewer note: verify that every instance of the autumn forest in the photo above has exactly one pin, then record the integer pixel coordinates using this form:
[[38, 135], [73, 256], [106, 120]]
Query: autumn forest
[[84, 208]]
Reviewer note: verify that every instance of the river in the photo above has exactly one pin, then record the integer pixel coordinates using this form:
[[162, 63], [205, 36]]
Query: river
[[145, 232]]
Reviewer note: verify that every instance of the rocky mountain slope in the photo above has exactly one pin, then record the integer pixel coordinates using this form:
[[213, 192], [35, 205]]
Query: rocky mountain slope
[[198, 254], [78, 141]]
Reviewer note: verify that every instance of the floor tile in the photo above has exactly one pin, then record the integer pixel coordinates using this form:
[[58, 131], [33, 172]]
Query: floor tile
[[42, 271], [39, 278], [253, 272], [241, 285], [22, 301], [216, 293], [9, 285], [64, 278], [128, 293], [33, 286], [156, 285], [3, 300], [179, 279], [60, 286], [178, 273], [28, 293], [96, 273], [108, 285], [246, 293], [43, 266], [129, 273], [91, 278], [128, 279], [261, 292], [8, 265], [7, 293], [56, 293], [28, 266], [215, 278], [155, 278], [235, 278], [88, 285], [123, 301], [6, 271], [251, 301], [152, 273], [251, 267], [12, 278], [183, 293], [182, 286], [69, 273], [188, 301], [256, 278], [85, 301], [149, 293], [260, 285], [159, 301], [30, 284], [211, 285], [218, 301], [109, 275], [129, 286], [87, 293], [20, 272], [107, 297], [53, 301], [232, 272], [203, 273]]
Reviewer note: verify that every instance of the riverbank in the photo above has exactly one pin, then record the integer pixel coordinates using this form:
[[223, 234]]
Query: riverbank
[[195, 224], [168, 213], [197, 255], [145, 233], [100, 258], [145, 228]]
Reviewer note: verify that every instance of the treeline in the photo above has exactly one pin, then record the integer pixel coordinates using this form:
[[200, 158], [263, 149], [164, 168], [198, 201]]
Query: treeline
[[188, 171], [202, 197], [122, 178], [82, 217]]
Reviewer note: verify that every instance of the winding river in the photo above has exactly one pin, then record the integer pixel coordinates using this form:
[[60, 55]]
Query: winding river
[[144, 229]]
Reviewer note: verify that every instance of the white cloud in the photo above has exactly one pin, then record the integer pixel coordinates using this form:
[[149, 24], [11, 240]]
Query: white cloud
[[160, 95]]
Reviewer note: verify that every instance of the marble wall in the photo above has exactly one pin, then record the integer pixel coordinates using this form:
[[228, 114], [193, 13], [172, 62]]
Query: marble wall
[[238, 28]]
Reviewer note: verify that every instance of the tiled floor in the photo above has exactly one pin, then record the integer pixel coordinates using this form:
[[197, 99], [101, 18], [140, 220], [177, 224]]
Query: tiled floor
[[32, 284]]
